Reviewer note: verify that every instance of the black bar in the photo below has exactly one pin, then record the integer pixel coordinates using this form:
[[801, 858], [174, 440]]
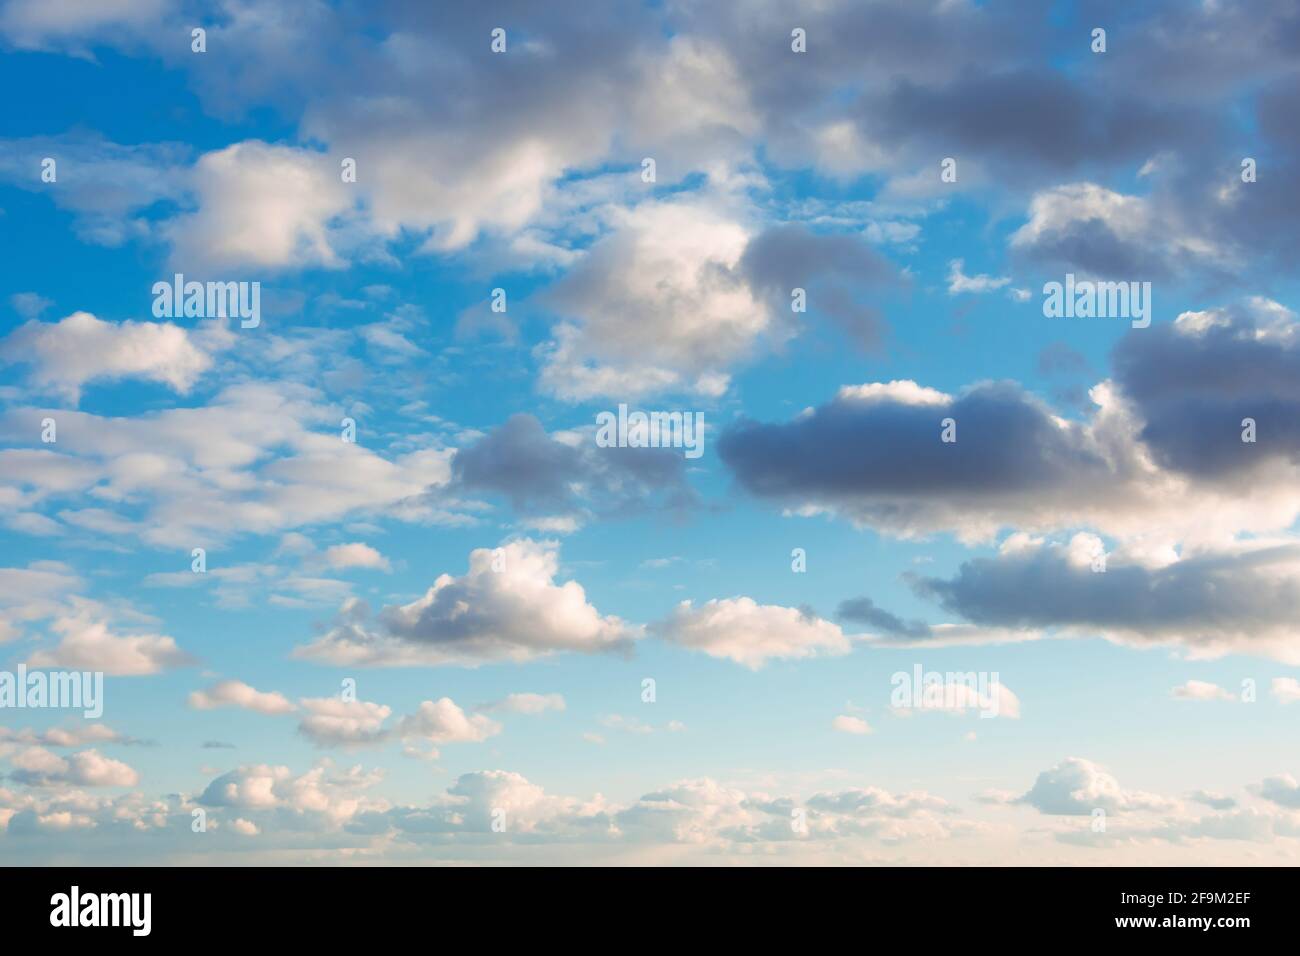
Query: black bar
[[944, 907]]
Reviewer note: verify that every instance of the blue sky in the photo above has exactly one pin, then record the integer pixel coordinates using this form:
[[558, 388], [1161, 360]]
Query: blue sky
[[497, 585]]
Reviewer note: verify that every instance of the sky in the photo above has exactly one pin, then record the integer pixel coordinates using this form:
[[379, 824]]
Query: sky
[[367, 582]]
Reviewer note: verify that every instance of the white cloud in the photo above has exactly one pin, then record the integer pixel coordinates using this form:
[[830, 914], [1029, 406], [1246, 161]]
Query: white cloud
[[850, 725], [1051, 211], [234, 693], [657, 305], [334, 722], [959, 693], [749, 633], [1286, 689], [36, 766], [258, 458], [85, 733], [506, 607], [32, 593], [68, 354], [979, 284], [1201, 690], [322, 795], [355, 555], [261, 206], [1078, 787], [29, 305], [443, 722], [86, 642]]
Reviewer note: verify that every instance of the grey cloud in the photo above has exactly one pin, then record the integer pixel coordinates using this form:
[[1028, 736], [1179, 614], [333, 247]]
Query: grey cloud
[[1242, 599], [1215, 801], [880, 460], [540, 474], [864, 611], [1028, 116], [1282, 790], [1195, 383], [836, 271]]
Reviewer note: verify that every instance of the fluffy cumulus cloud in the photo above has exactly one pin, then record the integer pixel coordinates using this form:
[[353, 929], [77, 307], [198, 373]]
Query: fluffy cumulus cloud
[[38, 767], [507, 606], [323, 796], [657, 305], [499, 814], [261, 206], [66, 355], [334, 722], [89, 639], [275, 804], [749, 633], [1146, 822], [1078, 787], [443, 722], [700, 813]]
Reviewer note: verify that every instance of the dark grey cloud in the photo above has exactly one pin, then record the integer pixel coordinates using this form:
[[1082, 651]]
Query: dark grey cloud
[[852, 46], [864, 611], [1196, 52], [1191, 217], [1240, 599], [1094, 246], [1193, 384], [880, 460], [1006, 441], [1028, 116], [540, 474], [1262, 218]]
